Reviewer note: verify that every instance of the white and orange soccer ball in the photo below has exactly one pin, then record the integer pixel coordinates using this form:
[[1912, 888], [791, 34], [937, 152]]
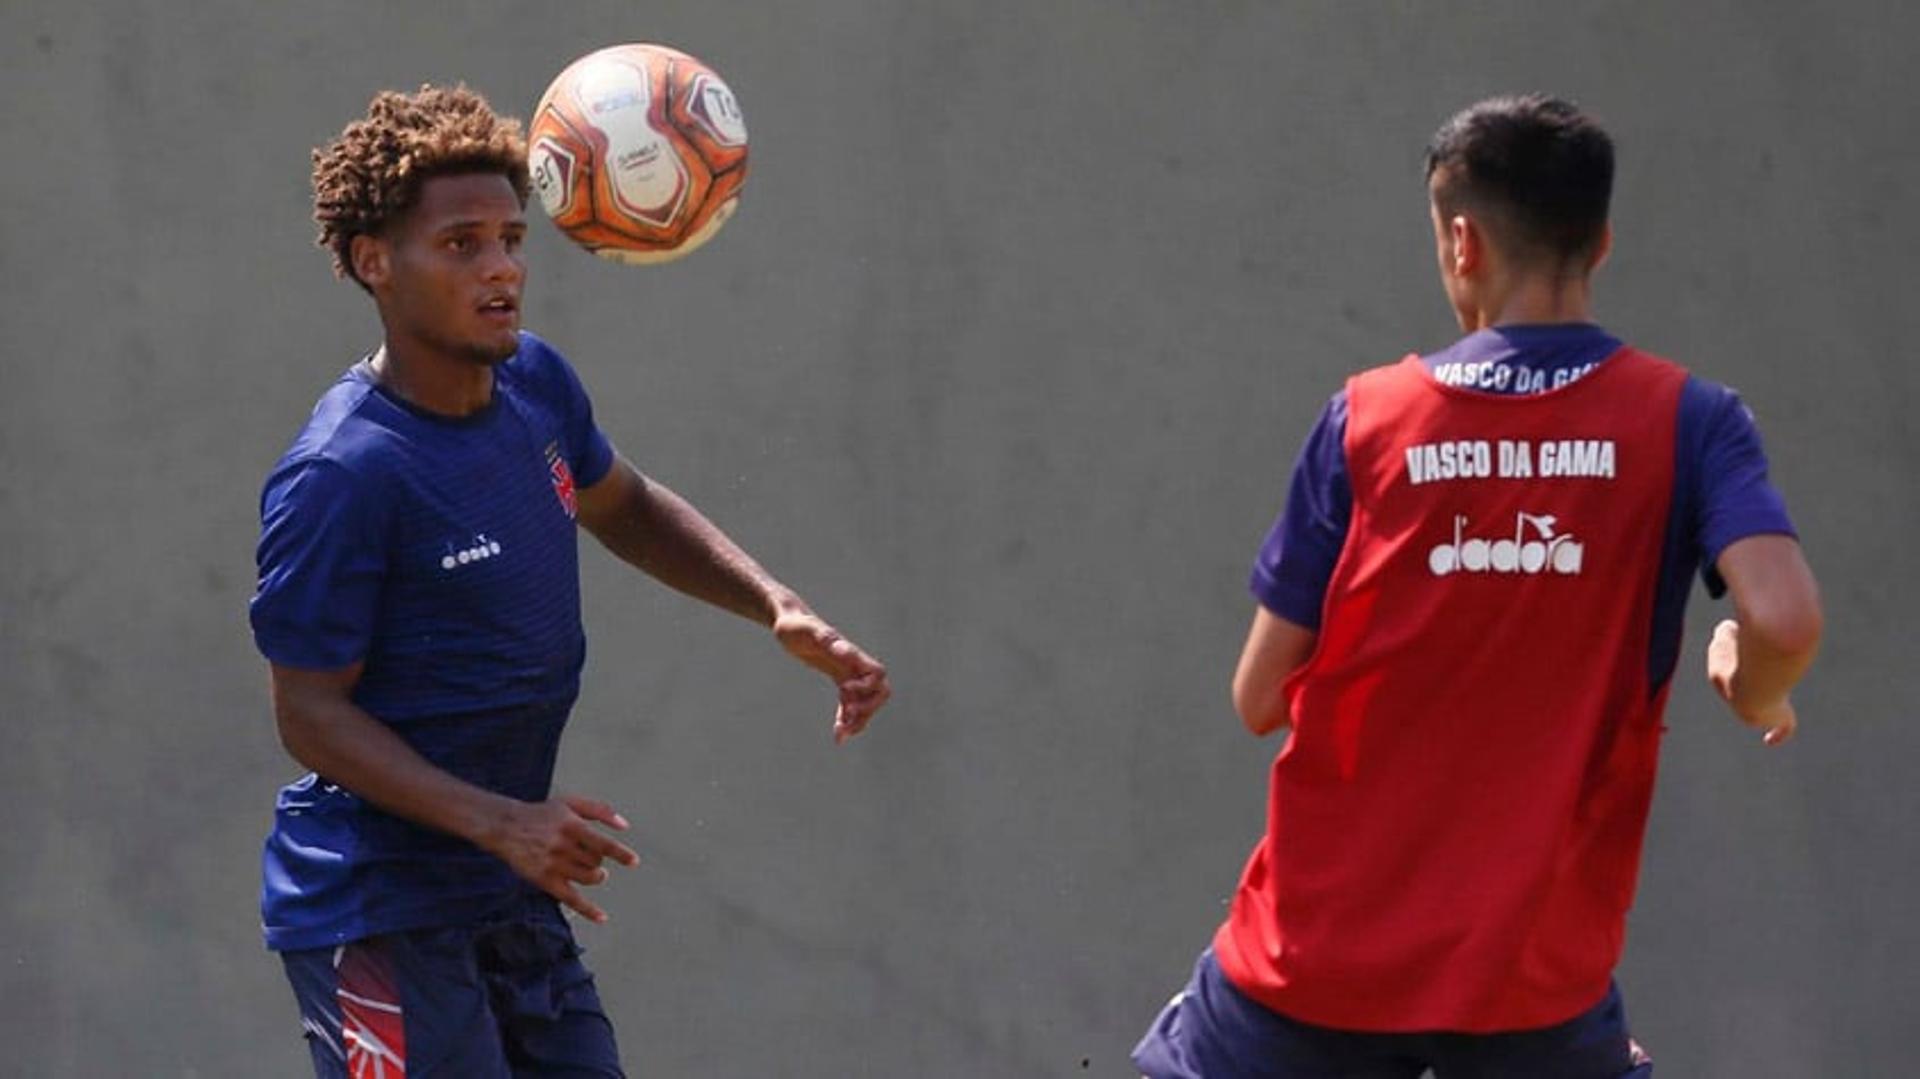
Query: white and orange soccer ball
[[638, 152]]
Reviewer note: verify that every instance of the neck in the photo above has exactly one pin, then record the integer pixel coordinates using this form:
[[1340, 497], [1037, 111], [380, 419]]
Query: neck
[[431, 380], [1530, 298]]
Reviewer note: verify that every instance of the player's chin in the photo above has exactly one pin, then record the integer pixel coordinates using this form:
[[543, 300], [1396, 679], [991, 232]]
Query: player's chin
[[496, 345]]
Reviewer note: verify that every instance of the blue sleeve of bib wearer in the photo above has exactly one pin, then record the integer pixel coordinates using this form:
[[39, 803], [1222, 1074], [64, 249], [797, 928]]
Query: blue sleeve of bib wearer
[[322, 557], [1296, 561], [1736, 499]]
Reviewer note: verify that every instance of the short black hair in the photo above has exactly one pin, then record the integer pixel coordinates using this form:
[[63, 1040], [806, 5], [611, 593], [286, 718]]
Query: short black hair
[[1537, 167]]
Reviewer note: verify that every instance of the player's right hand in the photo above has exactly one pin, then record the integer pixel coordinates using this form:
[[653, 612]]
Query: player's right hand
[[555, 845]]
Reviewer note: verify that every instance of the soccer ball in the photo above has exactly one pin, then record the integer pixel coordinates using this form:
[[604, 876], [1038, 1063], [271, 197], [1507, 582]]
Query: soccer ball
[[638, 152]]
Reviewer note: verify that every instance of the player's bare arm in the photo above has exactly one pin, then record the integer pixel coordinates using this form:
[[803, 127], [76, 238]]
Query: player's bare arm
[[649, 526], [553, 844], [1275, 648], [1756, 657]]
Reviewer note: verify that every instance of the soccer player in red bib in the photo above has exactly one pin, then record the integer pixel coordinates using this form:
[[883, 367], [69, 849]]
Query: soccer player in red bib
[[419, 606], [1469, 617]]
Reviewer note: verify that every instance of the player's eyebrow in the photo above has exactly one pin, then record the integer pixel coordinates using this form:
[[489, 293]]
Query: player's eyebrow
[[470, 224]]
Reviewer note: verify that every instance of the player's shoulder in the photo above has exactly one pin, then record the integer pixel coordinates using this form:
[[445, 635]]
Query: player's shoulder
[[535, 353], [1381, 378], [1709, 411], [537, 359], [1698, 391], [1651, 361], [1400, 366], [1712, 412], [539, 368], [345, 432]]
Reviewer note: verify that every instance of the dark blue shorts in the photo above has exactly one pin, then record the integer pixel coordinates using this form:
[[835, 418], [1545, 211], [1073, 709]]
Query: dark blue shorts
[[506, 997], [1214, 1031]]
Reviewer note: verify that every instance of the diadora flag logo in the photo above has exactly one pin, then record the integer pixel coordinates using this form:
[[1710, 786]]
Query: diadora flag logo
[[479, 549], [1533, 548], [562, 478]]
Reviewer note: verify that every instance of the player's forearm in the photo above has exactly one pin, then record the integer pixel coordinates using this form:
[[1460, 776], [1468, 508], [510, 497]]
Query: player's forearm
[[345, 745], [1275, 648], [665, 536], [1777, 607], [1262, 706]]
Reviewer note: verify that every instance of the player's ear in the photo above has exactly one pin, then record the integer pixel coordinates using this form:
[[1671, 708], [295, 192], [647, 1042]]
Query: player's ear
[[371, 259], [1468, 244], [1603, 248]]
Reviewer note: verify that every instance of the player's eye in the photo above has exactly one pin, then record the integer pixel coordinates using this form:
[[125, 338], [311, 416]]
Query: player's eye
[[461, 245], [513, 241]]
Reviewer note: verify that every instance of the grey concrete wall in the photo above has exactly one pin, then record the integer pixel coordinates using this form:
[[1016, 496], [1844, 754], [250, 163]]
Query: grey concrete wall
[[1003, 364]]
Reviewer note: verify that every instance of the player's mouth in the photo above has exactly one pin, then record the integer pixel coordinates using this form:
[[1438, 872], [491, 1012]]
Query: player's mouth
[[502, 309]]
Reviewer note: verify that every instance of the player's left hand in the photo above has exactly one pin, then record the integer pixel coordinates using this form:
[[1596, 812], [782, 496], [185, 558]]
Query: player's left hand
[[1778, 719], [861, 679]]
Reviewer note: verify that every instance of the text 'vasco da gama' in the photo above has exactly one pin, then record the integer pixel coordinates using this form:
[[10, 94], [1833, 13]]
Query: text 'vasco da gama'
[[1472, 459]]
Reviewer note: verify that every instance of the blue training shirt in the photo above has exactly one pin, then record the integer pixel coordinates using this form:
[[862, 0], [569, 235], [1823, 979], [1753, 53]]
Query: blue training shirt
[[442, 554], [1720, 491]]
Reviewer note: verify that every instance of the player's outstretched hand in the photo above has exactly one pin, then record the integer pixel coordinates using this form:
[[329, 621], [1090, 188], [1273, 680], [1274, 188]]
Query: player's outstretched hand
[[555, 845], [1723, 662], [861, 679]]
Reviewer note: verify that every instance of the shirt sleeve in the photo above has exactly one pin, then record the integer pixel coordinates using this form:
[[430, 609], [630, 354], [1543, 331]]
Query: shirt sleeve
[[1296, 561], [322, 557], [1735, 499], [589, 453]]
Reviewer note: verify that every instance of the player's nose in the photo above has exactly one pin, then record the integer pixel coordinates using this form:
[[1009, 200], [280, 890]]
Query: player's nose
[[503, 265]]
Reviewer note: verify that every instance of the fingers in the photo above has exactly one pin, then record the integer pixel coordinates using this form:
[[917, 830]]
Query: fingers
[[1783, 730], [860, 678], [564, 877], [586, 862], [594, 809], [602, 848], [847, 726], [570, 896], [860, 698], [1723, 657], [583, 864], [556, 845], [590, 841], [869, 686]]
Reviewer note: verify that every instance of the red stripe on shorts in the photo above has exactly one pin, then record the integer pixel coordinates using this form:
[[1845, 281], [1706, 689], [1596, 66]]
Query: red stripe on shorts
[[370, 1020]]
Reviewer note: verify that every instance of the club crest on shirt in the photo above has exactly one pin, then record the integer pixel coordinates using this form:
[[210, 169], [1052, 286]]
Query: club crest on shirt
[[562, 478]]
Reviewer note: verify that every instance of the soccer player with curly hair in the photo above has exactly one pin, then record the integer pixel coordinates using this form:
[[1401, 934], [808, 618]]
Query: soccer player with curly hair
[[1468, 615], [419, 606]]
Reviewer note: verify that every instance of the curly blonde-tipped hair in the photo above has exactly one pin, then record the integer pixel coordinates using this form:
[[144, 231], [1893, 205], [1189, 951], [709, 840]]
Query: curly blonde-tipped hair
[[371, 174]]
